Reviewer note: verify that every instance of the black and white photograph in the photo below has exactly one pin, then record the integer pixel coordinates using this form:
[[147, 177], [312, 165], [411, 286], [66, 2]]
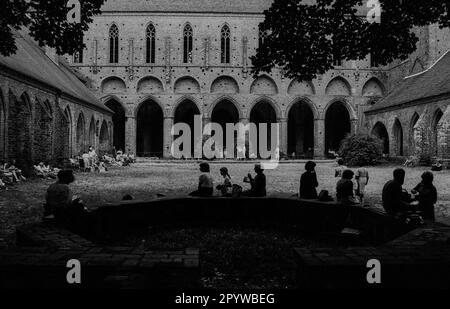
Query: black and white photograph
[[225, 151]]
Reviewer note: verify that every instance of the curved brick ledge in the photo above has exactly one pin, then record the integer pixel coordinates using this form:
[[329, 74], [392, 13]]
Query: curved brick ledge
[[44, 249]]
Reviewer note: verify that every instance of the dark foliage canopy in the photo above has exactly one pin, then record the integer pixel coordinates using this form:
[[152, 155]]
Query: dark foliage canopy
[[304, 38], [47, 22]]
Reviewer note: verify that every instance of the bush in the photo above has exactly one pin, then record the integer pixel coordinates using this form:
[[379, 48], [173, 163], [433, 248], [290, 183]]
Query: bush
[[360, 149]]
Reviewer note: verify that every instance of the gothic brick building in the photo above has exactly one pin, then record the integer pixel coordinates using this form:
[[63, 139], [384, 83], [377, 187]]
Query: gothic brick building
[[156, 63], [46, 112]]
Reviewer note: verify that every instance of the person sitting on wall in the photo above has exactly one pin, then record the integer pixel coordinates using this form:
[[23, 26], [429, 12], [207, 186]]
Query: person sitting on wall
[[437, 167], [308, 182], [16, 172], [226, 187], [205, 182], [426, 195], [396, 201], [344, 189], [61, 203], [258, 184]]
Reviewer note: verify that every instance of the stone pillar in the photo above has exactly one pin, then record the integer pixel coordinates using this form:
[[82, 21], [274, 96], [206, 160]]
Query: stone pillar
[[130, 134], [283, 135], [319, 138], [168, 138]]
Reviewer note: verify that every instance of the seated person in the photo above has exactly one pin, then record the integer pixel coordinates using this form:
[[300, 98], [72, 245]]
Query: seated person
[[60, 201], [39, 170], [17, 173], [5, 175], [427, 196], [308, 182], [344, 189], [86, 161], [226, 186], [205, 182], [258, 184], [395, 202], [436, 167]]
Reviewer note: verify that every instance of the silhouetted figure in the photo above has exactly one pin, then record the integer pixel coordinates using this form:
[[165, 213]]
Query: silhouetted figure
[[396, 202], [61, 203], [226, 187], [308, 182], [205, 182], [344, 188], [427, 196], [258, 184]]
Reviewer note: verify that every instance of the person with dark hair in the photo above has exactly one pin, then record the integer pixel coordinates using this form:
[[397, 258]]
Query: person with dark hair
[[396, 201], [258, 184], [205, 182], [67, 209], [226, 186], [427, 196], [344, 188], [308, 182]]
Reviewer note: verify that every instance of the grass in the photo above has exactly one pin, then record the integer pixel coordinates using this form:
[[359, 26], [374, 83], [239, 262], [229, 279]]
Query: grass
[[23, 203]]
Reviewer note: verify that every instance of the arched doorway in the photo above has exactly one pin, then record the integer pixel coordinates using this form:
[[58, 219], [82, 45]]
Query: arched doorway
[[434, 131], [185, 113], [150, 131], [379, 131], [42, 133], [301, 131], [225, 112], [398, 138], [92, 133], [19, 128], [119, 124], [337, 126], [263, 113], [2, 127], [104, 139], [81, 134], [412, 136]]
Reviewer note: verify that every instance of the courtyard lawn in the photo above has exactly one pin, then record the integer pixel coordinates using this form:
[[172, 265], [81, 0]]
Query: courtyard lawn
[[23, 203]]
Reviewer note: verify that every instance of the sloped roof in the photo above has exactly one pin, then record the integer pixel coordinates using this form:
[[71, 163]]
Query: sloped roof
[[191, 6], [433, 82], [30, 60]]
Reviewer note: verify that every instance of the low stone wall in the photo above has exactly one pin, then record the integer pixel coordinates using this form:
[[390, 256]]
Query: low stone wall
[[43, 250]]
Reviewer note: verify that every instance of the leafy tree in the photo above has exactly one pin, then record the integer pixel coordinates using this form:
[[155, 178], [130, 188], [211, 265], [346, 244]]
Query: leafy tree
[[47, 22], [361, 149], [304, 36]]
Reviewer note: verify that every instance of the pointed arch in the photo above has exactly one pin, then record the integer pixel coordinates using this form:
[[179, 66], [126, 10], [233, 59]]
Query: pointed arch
[[338, 86], [412, 132], [3, 126], [43, 132], [301, 114], [373, 88], [188, 39], [225, 42], [81, 134], [150, 39], [114, 44], [104, 140], [337, 125], [297, 87], [264, 85], [436, 118], [225, 85], [379, 130], [397, 133], [119, 119], [91, 133], [186, 85]]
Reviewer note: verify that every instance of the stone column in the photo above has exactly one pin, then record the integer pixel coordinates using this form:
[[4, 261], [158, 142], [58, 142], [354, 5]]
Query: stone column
[[168, 138], [319, 138], [130, 134], [283, 135]]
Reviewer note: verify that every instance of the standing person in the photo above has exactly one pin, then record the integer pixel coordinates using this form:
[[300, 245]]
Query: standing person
[[395, 202], [340, 169], [92, 156], [308, 182], [226, 186], [205, 182], [362, 179], [258, 184], [427, 196], [344, 188]]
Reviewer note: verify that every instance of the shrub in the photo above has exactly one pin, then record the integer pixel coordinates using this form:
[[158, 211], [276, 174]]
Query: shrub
[[361, 149]]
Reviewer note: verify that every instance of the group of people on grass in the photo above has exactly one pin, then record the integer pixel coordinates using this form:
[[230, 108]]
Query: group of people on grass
[[90, 161], [10, 174], [396, 201]]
